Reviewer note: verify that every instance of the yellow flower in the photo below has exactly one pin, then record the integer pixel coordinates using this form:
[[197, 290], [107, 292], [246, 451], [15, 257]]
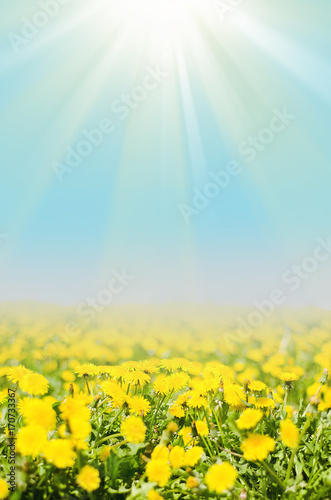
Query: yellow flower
[[221, 477], [88, 478], [79, 428], [154, 495], [263, 402], [37, 412], [161, 385], [133, 429], [68, 376], [16, 373], [177, 457], [3, 396], [257, 447], [257, 386], [114, 391], [326, 403], [4, 492], [31, 440], [74, 408], [138, 404], [158, 471], [193, 455], [249, 418], [60, 452], [137, 377], [192, 482], [202, 427], [288, 376], [186, 433], [289, 433], [87, 369], [34, 384], [160, 452]]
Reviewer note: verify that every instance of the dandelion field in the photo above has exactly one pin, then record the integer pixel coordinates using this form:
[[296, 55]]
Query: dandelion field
[[176, 407]]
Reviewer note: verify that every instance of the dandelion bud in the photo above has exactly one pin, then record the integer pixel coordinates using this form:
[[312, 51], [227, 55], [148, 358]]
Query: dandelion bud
[[314, 401], [324, 378]]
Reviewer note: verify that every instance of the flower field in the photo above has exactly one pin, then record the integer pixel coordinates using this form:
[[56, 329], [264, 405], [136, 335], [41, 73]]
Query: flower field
[[178, 408]]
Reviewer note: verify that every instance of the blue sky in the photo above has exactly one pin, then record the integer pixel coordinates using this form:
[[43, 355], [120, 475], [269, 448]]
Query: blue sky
[[213, 84]]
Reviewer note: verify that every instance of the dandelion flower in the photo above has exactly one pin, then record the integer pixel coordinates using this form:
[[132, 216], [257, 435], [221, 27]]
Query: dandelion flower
[[289, 433], [31, 440], [4, 491], [193, 455], [34, 384], [263, 402], [202, 427], [192, 482], [257, 386], [257, 447], [221, 477], [133, 429], [87, 369], [177, 457], [154, 495], [249, 418], [158, 471], [60, 452], [16, 373], [160, 452], [288, 376], [139, 404], [88, 478], [37, 412]]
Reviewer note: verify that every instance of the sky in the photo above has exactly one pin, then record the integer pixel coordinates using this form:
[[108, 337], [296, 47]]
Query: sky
[[116, 119]]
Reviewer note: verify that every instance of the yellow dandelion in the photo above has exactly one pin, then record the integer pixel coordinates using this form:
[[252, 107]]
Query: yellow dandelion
[[133, 429], [3, 396], [31, 440], [289, 433], [193, 455], [263, 402], [88, 478], [138, 405], [192, 482], [177, 457], [158, 471], [257, 447], [257, 386], [79, 428], [137, 377], [154, 495], [249, 418], [16, 373], [201, 427], [4, 491], [37, 412], [288, 376], [87, 369], [221, 477], [160, 452], [60, 452], [34, 384], [160, 385]]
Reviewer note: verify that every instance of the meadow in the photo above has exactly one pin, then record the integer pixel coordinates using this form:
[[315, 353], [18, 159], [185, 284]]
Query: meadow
[[164, 404]]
